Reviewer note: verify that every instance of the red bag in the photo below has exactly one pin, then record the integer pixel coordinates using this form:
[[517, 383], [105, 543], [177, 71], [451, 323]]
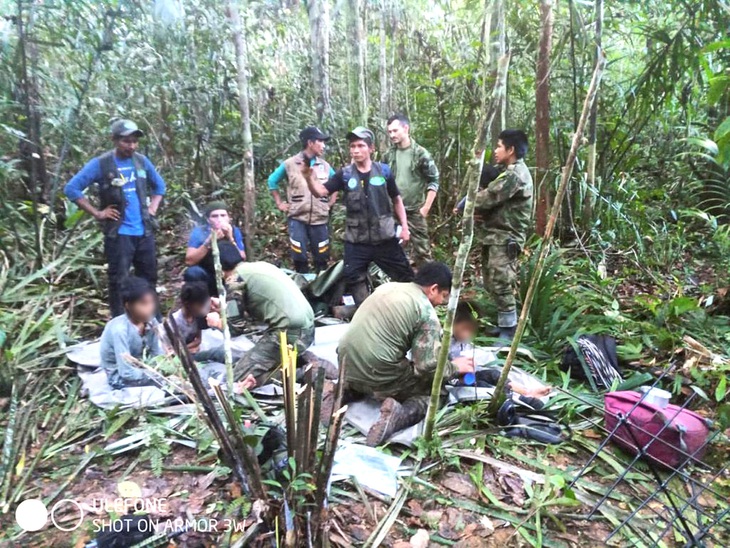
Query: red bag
[[669, 445]]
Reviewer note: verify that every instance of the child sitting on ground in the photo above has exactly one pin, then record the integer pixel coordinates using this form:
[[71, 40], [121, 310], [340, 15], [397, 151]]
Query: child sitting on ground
[[132, 336], [466, 326], [199, 312], [191, 319]]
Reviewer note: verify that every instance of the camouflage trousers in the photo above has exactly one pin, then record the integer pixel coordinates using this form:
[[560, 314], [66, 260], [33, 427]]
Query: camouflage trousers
[[499, 273], [264, 358], [410, 387], [419, 248]]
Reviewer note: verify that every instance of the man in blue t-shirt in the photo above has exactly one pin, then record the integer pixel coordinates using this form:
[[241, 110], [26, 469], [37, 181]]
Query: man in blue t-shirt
[[130, 193], [199, 255]]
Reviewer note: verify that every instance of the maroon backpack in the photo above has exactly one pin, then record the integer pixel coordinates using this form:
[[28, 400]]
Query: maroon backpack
[[670, 435]]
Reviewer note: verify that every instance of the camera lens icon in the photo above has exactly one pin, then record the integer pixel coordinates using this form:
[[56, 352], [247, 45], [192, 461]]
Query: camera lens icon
[[32, 515]]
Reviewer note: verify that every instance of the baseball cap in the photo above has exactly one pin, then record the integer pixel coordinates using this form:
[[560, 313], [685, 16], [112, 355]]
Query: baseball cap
[[361, 132], [312, 133], [125, 128]]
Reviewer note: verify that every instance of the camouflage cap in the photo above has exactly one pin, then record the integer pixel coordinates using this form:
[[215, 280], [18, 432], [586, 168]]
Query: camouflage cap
[[125, 128]]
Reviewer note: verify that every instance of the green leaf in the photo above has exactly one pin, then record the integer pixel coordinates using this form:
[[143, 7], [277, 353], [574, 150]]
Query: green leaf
[[723, 130], [721, 389]]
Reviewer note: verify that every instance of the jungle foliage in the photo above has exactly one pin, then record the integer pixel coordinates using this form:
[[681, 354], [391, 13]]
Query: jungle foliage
[[646, 251]]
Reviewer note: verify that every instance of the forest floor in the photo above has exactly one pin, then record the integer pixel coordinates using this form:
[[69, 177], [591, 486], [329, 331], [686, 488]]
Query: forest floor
[[476, 488]]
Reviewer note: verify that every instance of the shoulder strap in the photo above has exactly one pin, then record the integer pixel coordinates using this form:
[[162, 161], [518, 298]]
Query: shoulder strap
[[108, 166], [138, 160]]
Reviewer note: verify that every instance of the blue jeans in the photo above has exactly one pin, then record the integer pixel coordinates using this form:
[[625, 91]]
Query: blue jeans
[[303, 239], [199, 274]]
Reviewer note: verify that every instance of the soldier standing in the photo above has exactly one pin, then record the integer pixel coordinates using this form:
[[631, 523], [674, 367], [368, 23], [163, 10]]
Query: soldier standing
[[130, 192], [417, 178], [506, 208], [308, 215], [371, 199]]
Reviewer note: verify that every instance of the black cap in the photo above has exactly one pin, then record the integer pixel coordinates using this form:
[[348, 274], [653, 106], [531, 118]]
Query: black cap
[[363, 133], [125, 128], [312, 133]]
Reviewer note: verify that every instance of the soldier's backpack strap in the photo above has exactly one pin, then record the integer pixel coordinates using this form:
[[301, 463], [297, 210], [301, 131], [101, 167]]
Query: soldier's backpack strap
[[108, 168]]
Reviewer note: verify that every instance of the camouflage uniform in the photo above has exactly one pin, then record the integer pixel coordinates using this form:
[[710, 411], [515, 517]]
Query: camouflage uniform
[[506, 206], [396, 318], [268, 296], [414, 181]]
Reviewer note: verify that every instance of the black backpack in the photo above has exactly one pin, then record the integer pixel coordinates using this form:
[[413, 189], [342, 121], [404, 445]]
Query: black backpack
[[593, 358]]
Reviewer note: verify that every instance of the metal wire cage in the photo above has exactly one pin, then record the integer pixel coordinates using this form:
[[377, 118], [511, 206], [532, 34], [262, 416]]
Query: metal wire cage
[[660, 505]]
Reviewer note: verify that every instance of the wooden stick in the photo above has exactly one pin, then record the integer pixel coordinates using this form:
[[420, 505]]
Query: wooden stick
[[472, 177], [251, 463], [223, 309], [211, 413], [545, 245], [328, 457]]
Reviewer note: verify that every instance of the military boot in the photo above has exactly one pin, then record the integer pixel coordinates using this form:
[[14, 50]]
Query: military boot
[[507, 333], [394, 417], [507, 322]]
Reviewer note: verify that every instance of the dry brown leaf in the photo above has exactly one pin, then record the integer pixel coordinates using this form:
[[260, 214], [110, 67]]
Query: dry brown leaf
[[460, 484]]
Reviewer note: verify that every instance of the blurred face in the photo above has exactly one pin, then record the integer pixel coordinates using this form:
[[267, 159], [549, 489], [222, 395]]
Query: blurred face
[[199, 310], [142, 310], [464, 331], [218, 219], [398, 132], [316, 147], [437, 296], [504, 155], [360, 151], [126, 146]]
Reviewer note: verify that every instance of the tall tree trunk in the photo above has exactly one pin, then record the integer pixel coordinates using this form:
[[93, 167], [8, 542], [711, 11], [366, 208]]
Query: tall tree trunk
[[359, 45], [546, 241], [542, 115], [249, 188], [105, 44], [589, 198], [481, 142], [499, 48], [486, 44], [384, 103], [31, 149], [502, 43], [319, 36]]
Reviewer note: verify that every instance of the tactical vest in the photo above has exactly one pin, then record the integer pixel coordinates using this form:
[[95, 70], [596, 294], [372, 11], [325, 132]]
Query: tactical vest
[[369, 208], [113, 194], [303, 205]]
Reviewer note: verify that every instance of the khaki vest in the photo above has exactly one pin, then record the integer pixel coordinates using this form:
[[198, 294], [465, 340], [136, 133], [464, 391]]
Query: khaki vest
[[303, 205]]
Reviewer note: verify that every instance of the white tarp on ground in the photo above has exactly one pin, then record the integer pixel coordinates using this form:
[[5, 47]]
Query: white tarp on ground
[[362, 414], [87, 357], [370, 467]]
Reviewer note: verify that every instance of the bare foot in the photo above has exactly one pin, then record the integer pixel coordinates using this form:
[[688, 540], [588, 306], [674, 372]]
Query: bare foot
[[538, 392]]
